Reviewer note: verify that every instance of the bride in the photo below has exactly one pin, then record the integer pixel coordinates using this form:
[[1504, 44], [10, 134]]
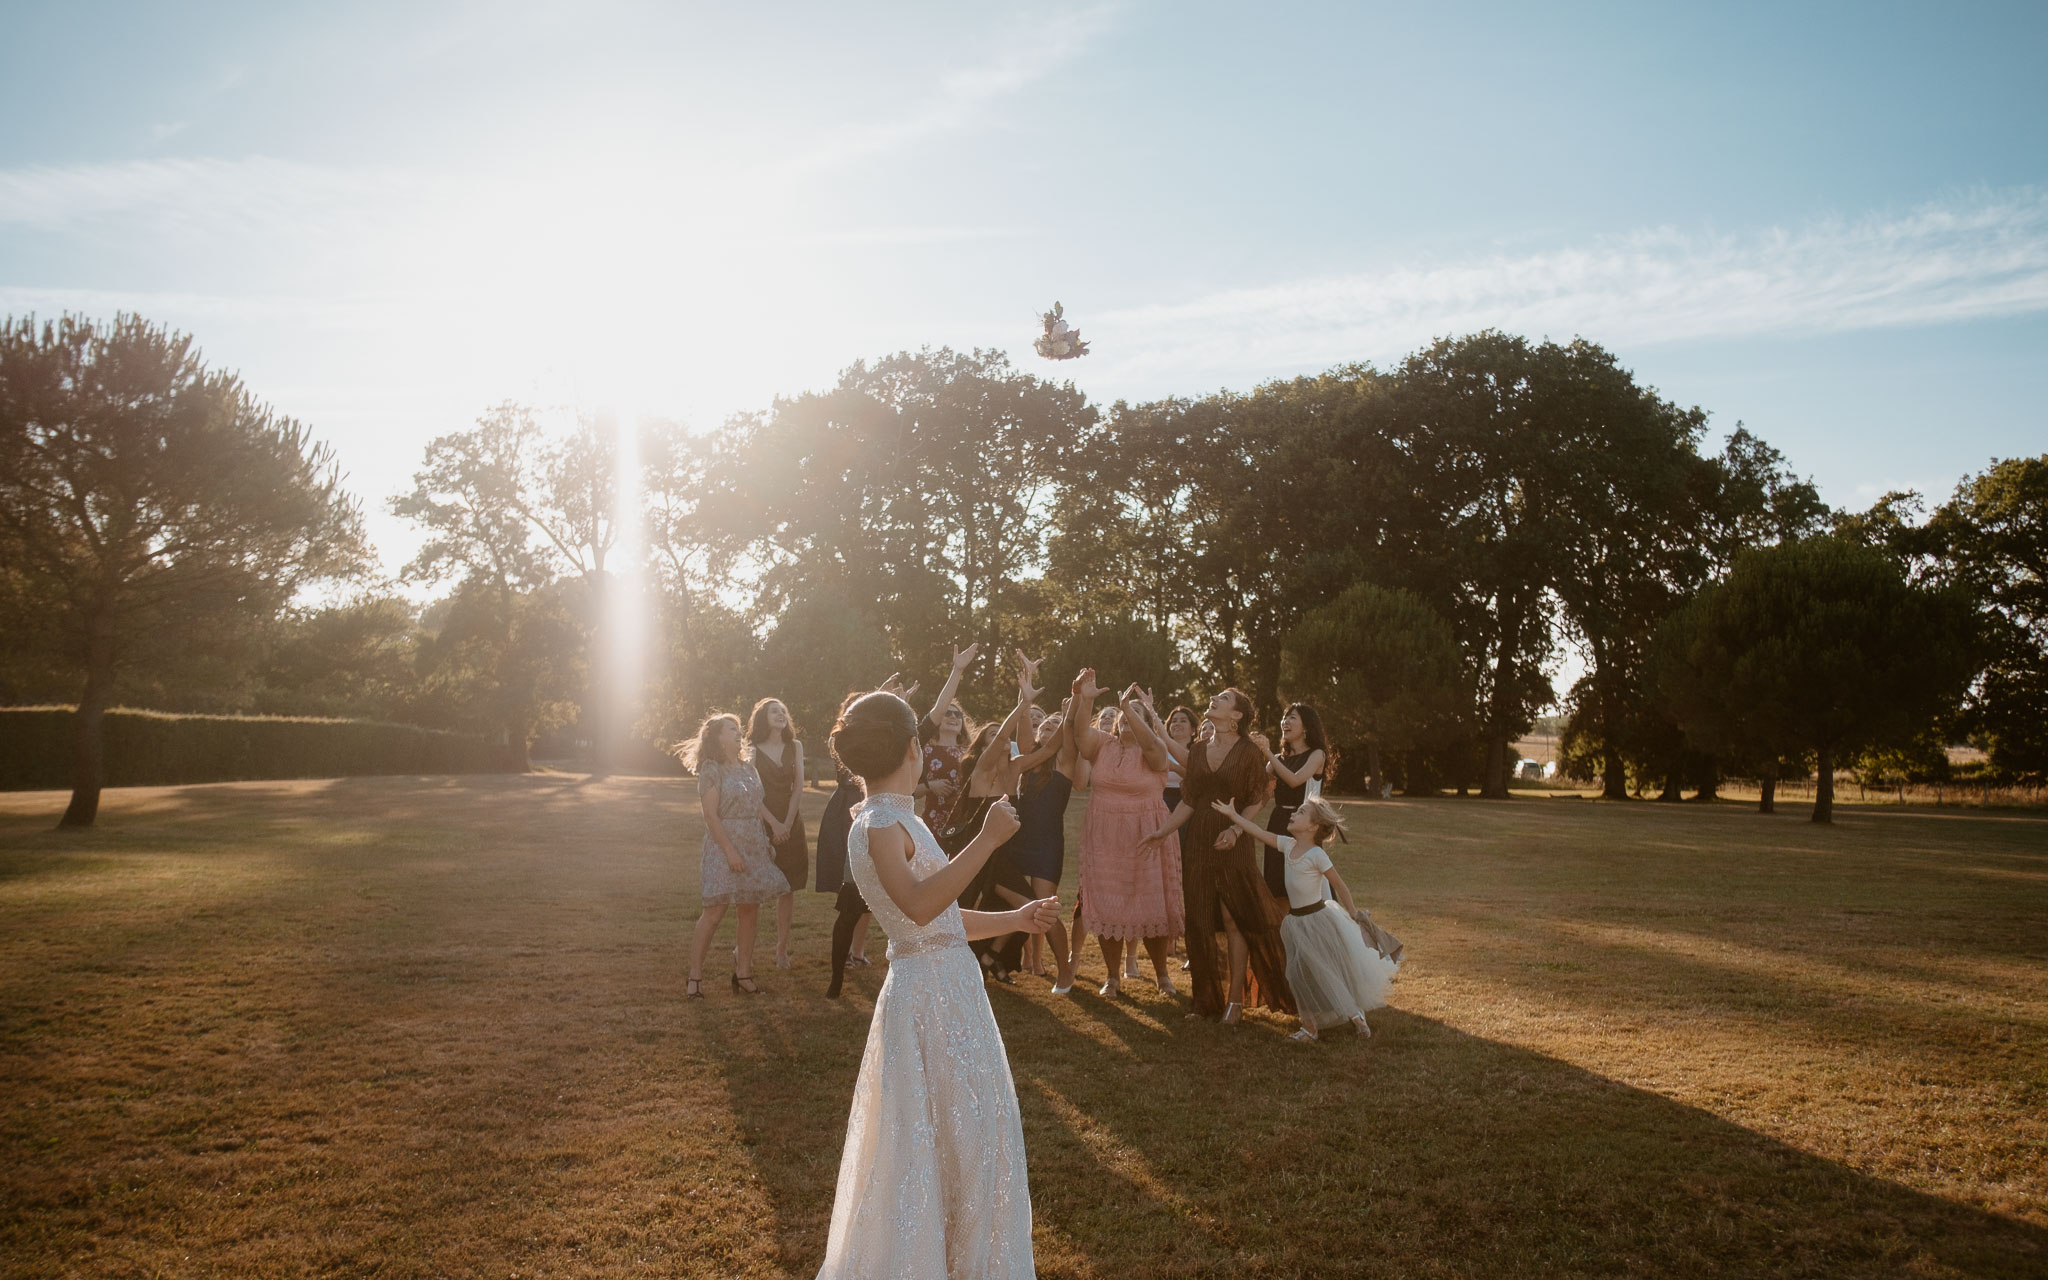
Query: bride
[[931, 1182]]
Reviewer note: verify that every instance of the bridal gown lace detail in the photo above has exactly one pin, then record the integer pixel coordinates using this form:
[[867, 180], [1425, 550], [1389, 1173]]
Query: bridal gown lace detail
[[931, 1181]]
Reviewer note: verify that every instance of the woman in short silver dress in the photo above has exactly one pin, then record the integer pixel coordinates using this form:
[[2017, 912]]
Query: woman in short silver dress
[[738, 862]]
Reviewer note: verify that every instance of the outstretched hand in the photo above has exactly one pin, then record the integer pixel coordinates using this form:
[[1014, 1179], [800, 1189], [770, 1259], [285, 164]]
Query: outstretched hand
[[1224, 807], [1039, 915], [1085, 687], [894, 684], [962, 658]]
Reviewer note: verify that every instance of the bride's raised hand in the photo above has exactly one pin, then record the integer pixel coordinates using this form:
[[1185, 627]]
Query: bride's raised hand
[[1039, 915], [1001, 821]]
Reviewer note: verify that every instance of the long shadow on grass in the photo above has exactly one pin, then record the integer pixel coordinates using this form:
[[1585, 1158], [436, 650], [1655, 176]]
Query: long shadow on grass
[[1200, 1150]]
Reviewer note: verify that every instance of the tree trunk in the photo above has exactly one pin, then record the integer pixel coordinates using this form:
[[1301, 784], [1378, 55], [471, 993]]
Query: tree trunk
[[1710, 781], [88, 754], [1493, 784], [1493, 780], [1613, 774], [1768, 800], [1372, 770], [1824, 787], [1672, 792]]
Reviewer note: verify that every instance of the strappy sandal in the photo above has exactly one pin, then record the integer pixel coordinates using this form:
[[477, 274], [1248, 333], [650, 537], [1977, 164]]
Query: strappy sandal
[[1303, 1036], [693, 988], [749, 988]]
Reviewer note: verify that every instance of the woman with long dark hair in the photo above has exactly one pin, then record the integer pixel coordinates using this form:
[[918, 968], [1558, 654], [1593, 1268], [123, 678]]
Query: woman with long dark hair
[[1221, 885], [778, 756], [737, 864], [1304, 753]]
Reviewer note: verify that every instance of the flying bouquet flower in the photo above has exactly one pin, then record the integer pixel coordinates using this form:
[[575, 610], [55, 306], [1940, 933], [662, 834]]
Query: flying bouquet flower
[[1059, 342]]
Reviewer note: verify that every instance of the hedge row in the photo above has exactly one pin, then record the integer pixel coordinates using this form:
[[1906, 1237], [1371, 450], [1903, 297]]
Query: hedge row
[[150, 748]]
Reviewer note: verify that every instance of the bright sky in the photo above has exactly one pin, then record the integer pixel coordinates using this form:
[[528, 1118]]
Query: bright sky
[[1827, 221]]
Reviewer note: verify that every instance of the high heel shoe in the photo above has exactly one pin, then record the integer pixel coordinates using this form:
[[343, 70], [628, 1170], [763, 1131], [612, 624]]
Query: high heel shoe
[[745, 985], [782, 961], [693, 988], [1111, 989], [1359, 1022], [1233, 1013]]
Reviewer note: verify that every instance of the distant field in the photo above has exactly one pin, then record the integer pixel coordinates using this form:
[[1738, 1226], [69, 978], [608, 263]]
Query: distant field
[[429, 1027]]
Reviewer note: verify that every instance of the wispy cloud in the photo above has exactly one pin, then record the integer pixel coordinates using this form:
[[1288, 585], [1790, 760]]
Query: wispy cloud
[[1982, 257], [210, 194], [1029, 55]]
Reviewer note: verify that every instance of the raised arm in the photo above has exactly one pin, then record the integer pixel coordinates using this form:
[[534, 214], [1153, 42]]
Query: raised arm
[[1151, 740], [962, 659], [1061, 746], [1244, 824], [1088, 739], [924, 899], [992, 768]]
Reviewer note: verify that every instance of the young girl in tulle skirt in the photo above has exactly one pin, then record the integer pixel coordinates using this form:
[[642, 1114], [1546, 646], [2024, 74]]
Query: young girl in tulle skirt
[[1336, 978]]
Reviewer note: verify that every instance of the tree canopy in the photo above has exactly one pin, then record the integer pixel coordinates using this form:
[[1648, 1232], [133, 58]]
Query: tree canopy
[[144, 498]]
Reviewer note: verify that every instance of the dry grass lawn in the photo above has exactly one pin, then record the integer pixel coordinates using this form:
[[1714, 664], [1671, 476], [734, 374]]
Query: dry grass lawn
[[434, 1027]]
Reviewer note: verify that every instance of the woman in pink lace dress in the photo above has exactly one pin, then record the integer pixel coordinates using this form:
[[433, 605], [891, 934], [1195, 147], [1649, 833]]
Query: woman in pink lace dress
[[1132, 887]]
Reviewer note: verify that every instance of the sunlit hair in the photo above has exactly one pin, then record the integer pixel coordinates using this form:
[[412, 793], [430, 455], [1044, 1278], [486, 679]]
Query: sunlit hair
[[758, 729], [1241, 702], [692, 752], [1312, 733], [1324, 814], [873, 735]]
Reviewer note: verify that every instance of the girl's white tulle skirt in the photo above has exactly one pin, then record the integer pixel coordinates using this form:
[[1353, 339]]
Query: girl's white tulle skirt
[[1335, 976]]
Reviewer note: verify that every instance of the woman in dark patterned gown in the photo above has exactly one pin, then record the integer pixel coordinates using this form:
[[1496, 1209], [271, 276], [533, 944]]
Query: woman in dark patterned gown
[[1222, 886], [778, 757]]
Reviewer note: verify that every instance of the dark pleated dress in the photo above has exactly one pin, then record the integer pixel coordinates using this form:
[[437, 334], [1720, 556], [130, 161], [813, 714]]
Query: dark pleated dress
[[778, 784], [1214, 880]]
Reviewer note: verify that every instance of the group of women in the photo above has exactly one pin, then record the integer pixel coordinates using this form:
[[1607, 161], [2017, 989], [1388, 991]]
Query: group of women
[[1168, 847]]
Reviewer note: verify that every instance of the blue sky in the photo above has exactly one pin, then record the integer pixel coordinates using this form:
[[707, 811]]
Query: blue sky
[[1827, 221]]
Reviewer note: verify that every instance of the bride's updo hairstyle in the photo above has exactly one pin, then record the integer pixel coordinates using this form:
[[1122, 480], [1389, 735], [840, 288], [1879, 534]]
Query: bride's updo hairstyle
[[873, 735]]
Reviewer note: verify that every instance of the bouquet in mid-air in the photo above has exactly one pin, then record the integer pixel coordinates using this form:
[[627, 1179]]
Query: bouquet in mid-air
[[1059, 341]]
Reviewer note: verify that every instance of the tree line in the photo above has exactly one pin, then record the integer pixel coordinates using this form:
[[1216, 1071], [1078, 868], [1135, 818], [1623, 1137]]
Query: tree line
[[1411, 549]]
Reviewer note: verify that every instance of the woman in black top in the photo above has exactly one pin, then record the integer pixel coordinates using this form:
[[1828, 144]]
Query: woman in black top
[[1304, 752]]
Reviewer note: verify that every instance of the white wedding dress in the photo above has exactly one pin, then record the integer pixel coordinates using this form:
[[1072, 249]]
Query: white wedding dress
[[931, 1182]]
